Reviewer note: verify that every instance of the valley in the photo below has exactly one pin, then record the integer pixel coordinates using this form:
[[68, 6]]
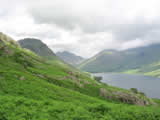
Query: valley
[[70, 58], [140, 60]]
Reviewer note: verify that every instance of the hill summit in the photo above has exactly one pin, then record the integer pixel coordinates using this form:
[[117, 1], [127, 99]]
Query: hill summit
[[37, 46], [4, 39]]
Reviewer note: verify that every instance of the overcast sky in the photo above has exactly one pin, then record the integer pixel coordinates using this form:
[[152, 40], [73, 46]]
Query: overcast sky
[[84, 27]]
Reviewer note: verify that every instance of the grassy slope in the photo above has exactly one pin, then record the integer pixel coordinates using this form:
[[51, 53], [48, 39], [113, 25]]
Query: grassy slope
[[148, 69], [151, 70], [32, 89]]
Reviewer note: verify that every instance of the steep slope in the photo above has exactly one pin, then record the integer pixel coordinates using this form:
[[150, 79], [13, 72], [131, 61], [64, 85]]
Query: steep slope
[[37, 46], [117, 61], [70, 57], [35, 89]]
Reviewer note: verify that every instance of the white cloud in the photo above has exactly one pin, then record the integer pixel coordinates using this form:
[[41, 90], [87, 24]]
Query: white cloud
[[84, 27]]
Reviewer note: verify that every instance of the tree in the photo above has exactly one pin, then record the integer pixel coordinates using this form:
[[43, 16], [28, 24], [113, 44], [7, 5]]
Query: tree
[[98, 78], [134, 90]]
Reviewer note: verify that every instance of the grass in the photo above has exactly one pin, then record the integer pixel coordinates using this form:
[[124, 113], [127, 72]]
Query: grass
[[34, 89], [30, 109]]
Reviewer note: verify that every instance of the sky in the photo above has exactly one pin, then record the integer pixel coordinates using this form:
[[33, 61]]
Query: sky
[[83, 27]]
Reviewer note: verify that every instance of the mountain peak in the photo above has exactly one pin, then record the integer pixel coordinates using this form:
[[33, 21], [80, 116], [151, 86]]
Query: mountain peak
[[37, 46], [7, 45], [30, 40]]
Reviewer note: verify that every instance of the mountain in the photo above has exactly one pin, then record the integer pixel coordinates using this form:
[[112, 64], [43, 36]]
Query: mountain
[[34, 88], [151, 70], [118, 61], [37, 46], [70, 57]]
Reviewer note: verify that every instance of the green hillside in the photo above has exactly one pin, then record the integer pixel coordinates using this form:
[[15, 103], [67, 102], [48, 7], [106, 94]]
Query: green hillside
[[119, 61], [32, 88], [151, 70]]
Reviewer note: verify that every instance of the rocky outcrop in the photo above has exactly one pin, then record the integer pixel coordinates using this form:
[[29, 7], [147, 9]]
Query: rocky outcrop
[[124, 97], [131, 98], [6, 39], [6, 44]]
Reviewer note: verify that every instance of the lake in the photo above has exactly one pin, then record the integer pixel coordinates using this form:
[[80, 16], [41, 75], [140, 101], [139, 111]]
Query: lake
[[147, 84]]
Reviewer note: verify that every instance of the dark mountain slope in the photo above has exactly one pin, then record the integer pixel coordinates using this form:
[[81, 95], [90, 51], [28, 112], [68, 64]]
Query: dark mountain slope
[[37, 46]]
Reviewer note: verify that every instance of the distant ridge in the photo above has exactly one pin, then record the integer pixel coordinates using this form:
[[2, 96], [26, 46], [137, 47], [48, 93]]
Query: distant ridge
[[70, 58], [118, 61]]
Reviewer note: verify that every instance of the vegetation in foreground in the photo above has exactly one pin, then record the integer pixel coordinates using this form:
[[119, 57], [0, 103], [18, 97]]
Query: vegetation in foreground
[[34, 89]]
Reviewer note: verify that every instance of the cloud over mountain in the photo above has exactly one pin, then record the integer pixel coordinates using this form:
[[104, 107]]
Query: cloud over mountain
[[84, 26]]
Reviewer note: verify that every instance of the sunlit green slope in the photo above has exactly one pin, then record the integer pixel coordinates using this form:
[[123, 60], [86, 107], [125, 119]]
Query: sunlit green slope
[[32, 88], [151, 70]]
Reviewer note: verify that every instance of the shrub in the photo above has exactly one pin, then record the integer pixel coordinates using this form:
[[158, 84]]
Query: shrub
[[100, 108], [98, 78], [20, 58], [142, 93], [134, 90]]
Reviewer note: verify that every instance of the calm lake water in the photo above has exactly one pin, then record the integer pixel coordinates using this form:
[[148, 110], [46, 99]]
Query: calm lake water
[[147, 84]]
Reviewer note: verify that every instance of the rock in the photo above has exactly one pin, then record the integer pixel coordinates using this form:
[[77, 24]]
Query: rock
[[104, 93], [81, 85], [41, 76], [124, 97], [71, 73], [22, 78], [86, 82], [130, 99]]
